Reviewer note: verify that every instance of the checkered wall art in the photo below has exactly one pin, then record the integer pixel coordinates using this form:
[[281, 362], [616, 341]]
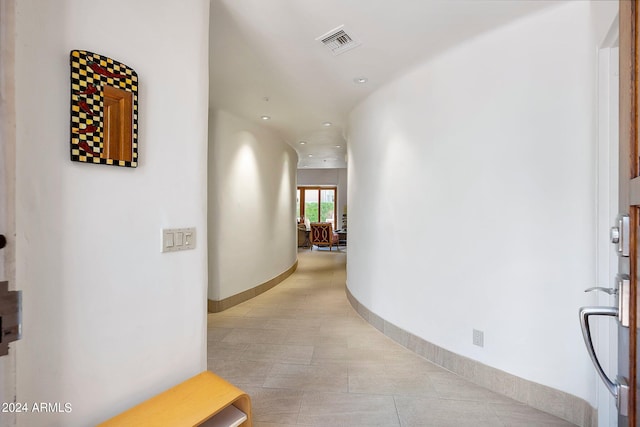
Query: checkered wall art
[[90, 73]]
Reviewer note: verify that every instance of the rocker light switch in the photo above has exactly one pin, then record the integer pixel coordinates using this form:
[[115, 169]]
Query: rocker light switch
[[178, 239]]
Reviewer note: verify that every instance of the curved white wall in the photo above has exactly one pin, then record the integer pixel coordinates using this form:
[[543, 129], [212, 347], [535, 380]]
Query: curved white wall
[[109, 320], [252, 191], [472, 198]]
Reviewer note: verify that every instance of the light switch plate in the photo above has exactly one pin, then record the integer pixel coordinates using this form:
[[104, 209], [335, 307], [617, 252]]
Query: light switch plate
[[178, 239]]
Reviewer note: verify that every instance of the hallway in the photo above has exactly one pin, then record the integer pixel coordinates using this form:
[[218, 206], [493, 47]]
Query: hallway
[[307, 358]]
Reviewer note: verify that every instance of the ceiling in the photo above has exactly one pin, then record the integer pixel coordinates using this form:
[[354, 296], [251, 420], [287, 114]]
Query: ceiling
[[265, 59]]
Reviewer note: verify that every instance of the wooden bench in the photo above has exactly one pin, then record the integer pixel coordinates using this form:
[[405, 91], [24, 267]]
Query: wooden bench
[[202, 400]]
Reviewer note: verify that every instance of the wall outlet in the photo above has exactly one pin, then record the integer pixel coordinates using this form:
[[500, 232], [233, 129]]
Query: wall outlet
[[478, 338]]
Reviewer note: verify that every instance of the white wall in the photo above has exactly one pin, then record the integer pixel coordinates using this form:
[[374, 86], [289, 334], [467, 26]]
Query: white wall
[[108, 319], [335, 177], [487, 155], [252, 182], [7, 187]]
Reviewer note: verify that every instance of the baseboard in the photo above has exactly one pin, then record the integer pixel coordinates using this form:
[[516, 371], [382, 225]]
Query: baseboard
[[546, 399], [214, 306]]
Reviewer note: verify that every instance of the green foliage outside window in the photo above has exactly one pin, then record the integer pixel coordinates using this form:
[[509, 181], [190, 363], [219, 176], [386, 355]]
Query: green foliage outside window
[[326, 211], [311, 211]]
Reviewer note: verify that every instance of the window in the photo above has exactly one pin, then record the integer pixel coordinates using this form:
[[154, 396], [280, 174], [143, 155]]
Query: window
[[318, 204], [310, 205]]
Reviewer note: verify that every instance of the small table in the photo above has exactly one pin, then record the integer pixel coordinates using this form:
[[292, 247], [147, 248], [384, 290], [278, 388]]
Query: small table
[[342, 237], [307, 241]]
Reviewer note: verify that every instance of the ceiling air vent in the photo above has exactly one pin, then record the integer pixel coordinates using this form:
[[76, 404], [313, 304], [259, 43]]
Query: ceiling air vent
[[338, 40]]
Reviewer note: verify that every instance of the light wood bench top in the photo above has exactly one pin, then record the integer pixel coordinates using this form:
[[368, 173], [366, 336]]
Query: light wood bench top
[[188, 404]]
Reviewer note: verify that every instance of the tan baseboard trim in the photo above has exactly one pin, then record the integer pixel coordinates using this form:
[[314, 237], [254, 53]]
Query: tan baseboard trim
[[214, 306], [546, 399]]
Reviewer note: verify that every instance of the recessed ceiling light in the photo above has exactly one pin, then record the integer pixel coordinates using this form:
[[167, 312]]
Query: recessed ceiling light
[[303, 142], [327, 124], [265, 118], [338, 146], [310, 155], [360, 80]]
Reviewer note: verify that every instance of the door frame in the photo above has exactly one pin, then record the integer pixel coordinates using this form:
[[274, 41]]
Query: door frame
[[629, 195], [606, 341]]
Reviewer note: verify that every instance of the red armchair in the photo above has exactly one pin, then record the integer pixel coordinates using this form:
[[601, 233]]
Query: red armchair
[[322, 235]]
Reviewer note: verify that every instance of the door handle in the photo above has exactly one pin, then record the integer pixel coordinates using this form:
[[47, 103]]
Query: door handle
[[618, 388], [610, 291], [621, 290]]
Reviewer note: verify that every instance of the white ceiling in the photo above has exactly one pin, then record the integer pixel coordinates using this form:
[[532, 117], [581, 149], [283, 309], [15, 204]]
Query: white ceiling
[[265, 59]]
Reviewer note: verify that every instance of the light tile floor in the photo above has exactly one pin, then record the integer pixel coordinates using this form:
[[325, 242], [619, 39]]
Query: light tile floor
[[306, 358]]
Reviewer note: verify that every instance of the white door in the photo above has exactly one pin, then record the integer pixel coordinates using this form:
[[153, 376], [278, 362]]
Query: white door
[[7, 189]]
